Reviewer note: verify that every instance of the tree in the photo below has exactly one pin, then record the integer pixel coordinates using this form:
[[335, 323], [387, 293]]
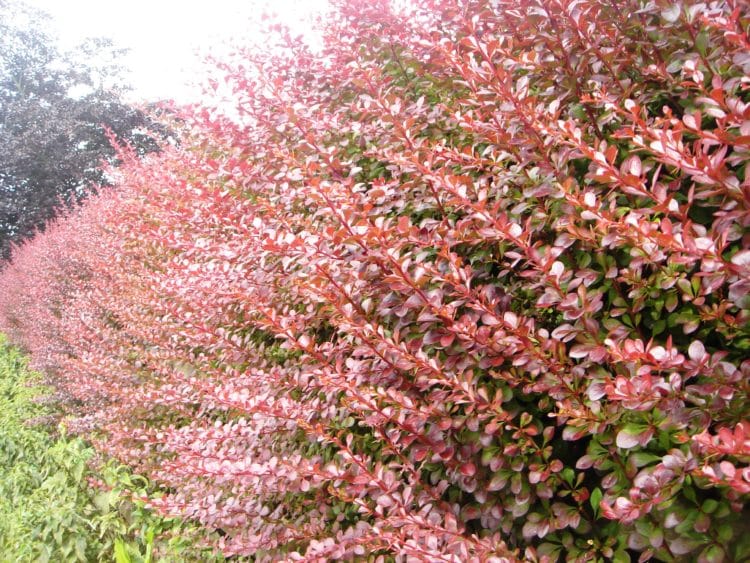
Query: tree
[[55, 112]]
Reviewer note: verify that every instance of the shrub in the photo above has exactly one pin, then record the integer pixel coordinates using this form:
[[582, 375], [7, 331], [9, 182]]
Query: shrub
[[48, 511], [469, 283]]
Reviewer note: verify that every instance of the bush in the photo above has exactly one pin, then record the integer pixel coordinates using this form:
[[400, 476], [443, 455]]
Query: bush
[[470, 283], [48, 511]]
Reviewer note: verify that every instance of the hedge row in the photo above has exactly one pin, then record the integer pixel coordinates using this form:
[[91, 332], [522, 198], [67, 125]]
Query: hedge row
[[469, 283]]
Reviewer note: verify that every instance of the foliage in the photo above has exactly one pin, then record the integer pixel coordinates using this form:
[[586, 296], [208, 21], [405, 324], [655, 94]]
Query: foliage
[[54, 108], [48, 511], [468, 284]]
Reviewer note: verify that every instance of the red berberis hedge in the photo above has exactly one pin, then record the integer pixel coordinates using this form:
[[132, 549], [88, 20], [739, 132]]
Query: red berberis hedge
[[468, 284]]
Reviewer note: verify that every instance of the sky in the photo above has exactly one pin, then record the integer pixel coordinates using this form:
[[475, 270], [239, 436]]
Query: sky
[[166, 37]]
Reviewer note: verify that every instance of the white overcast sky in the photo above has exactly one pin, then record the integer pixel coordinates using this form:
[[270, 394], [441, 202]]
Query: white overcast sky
[[164, 35]]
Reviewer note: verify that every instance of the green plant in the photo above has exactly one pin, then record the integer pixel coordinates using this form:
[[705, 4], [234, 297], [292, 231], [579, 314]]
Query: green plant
[[49, 510]]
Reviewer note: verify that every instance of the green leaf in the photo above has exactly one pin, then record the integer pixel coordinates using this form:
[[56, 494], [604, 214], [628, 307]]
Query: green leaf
[[552, 550], [621, 556], [742, 549], [121, 553], [578, 111], [101, 501], [80, 548], [659, 327], [709, 506], [696, 285], [642, 459], [701, 42], [712, 554], [596, 498], [149, 544], [725, 532], [689, 493], [665, 440]]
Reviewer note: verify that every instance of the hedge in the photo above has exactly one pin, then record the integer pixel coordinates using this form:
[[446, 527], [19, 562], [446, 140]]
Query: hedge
[[467, 283]]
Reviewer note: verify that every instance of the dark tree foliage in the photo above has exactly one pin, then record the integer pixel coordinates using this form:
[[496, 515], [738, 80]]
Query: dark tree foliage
[[55, 112]]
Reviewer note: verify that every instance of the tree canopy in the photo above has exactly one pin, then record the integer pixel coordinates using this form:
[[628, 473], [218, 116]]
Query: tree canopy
[[56, 111]]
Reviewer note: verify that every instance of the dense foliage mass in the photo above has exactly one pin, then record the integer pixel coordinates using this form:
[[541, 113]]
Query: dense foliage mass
[[54, 108], [48, 511], [469, 284]]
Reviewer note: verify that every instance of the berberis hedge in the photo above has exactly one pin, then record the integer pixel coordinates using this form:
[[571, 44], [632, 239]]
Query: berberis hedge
[[469, 282]]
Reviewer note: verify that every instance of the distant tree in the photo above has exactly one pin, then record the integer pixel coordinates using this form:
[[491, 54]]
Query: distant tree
[[55, 110]]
